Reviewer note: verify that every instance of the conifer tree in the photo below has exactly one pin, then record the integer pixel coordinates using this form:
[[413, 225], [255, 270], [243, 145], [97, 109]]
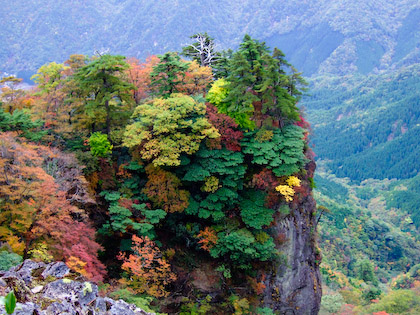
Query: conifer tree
[[258, 83], [168, 73], [104, 92]]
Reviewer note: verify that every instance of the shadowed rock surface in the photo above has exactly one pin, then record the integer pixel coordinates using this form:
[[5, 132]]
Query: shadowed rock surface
[[295, 286]]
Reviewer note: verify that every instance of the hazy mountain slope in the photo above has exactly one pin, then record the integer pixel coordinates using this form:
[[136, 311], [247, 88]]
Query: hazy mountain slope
[[368, 127], [332, 36]]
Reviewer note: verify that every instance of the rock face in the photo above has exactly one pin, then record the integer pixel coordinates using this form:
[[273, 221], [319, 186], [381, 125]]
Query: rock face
[[295, 286], [47, 289]]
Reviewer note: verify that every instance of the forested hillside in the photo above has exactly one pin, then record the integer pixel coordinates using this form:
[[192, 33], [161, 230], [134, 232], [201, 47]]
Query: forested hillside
[[368, 127], [319, 36], [199, 191], [227, 149], [365, 135]]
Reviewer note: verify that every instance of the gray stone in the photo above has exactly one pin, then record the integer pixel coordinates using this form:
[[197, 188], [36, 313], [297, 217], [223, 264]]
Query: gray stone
[[57, 270], [37, 289], [27, 309], [295, 286], [62, 308], [122, 308], [26, 270], [67, 297], [100, 306], [22, 291]]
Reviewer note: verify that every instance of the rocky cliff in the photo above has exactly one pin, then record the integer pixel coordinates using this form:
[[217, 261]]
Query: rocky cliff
[[46, 289], [295, 286]]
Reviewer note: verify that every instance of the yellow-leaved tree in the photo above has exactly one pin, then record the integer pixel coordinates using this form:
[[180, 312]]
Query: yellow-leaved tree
[[163, 129]]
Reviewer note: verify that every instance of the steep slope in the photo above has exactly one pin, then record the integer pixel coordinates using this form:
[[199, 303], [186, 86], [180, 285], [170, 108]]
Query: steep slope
[[295, 287], [368, 127], [332, 37]]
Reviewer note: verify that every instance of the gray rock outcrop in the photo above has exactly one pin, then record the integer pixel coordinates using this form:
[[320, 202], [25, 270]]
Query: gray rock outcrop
[[49, 289], [294, 288]]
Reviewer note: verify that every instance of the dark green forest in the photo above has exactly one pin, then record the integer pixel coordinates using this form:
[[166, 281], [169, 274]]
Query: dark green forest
[[369, 127], [365, 137]]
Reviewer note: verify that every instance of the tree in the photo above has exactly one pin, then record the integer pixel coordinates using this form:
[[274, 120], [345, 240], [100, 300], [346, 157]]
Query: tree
[[50, 80], [202, 50], [162, 188], [10, 93], [106, 96], [37, 216], [167, 75], [139, 76], [165, 128], [257, 84], [147, 269], [217, 95], [196, 80], [21, 122], [230, 136], [49, 103], [221, 65]]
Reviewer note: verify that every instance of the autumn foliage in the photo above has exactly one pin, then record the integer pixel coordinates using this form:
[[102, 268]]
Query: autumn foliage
[[36, 213], [147, 269], [177, 176], [208, 238], [230, 136], [138, 74], [163, 190]]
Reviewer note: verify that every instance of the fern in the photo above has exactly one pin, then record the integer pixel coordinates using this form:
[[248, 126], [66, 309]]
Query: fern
[[253, 212], [242, 247], [283, 153]]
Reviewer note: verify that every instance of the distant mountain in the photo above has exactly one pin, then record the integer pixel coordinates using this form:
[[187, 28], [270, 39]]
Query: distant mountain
[[367, 126], [318, 36]]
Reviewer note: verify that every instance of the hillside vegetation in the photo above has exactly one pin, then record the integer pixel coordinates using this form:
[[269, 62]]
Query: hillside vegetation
[[191, 177], [365, 135], [319, 36]]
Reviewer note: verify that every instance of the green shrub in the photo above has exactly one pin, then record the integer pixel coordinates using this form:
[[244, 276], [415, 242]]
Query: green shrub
[[99, 144], [9, 260]]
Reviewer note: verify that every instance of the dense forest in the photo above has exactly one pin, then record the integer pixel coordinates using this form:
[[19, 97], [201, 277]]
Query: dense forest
[[361, 120], [197, 159], [143, 175], [319, 36], [364, 133]]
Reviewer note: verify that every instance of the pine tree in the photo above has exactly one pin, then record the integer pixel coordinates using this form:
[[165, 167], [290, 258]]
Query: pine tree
[[168, 73], [104, 92], [258, 84]]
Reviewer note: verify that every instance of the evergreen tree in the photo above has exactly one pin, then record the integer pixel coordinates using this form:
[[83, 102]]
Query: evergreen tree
[[103, 90], [168, 73], [259, 85], [221, 65]]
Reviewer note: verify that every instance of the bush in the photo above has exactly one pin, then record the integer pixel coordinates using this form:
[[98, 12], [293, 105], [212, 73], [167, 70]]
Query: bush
[[9, 260]]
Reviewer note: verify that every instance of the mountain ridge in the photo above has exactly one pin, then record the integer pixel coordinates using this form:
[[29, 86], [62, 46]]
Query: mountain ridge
[[340, 38]]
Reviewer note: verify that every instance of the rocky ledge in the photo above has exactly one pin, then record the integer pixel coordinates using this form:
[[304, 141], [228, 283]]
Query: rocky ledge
[[46, 289]]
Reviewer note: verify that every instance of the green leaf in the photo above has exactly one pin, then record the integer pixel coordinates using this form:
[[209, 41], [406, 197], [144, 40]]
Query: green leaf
[[153, 216], [110, 196], [283, 153], [10, 303]]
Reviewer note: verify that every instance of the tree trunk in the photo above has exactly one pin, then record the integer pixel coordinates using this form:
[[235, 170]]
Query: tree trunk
[[108, 118]]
